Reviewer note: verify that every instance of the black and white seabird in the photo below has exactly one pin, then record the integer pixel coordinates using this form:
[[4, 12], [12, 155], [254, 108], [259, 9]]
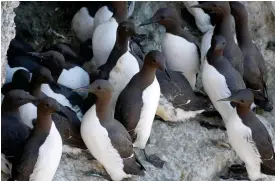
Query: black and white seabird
[[223, 27], [13, 130], [219, 78], [180, 48], [20, 80], [105, 34], [43, 148], [66, 50], [255, 72], [69, 75], [137, 103], [106, 138], [249, 137], [121, 65]]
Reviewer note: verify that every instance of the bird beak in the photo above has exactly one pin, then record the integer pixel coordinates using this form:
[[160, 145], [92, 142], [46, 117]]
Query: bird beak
[[206, 6], [230, 99], [149, 21], [82, 89]]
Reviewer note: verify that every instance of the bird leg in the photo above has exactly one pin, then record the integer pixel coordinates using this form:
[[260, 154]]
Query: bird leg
[[237, 172], [95, 173], [212, 126], [153, 159]]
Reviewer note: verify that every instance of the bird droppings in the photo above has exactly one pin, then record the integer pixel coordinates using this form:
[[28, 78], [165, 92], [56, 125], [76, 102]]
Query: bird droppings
[[187, 148]]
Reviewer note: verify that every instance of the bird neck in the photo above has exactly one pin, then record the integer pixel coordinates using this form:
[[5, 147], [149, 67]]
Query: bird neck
[[242, 33], [148, 74], [223, 26], [243, 110], [103, 110], [35, 87], [43, 122], [122, 42]]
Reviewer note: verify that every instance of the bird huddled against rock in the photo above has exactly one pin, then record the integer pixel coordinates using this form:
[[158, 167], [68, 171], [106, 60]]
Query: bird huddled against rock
[[104, 92]]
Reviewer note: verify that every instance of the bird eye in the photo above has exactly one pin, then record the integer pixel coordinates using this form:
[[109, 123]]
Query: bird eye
[[154, 61], [162, 17], [21, 99], [98, 88], [47, 105], [242, 101]]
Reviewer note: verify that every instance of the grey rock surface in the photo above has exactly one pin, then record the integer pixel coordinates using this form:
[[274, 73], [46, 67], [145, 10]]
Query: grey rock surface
[[191, 152], [7, 31]]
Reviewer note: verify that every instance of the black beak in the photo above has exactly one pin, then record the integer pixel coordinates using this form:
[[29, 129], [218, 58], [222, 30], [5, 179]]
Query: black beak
[[149, 21], [230, 99], [61, 111]]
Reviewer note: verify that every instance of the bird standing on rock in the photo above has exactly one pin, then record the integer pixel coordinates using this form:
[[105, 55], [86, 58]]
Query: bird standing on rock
[[179, 46], [13, 131], [255, 72], [137, 104], [43, 148], [249, 137], [223, 22], [106, 138], [219, 78]]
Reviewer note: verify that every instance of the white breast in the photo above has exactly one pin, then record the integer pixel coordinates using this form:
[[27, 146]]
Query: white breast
[[74, 78], [150, 98], [126, 67], [95, 136], [182, 56], [83, 24], [45, 88], [216, 88], [102, 15], [168, 112], [202, 19], [28, 112], [5, 165], [49, 157], [104, 39], [10, 71], [240, 138]]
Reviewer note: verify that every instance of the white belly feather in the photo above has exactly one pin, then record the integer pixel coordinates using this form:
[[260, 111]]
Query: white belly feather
[[74, 78], [181, 56], [61, 99], [202, 19], [216, 88], [126, 67], [28, 112], [95, 136], [102, 15], [104, 39], [150, 98], [240, 138], [10, 71], [83, 24], [49, 157]]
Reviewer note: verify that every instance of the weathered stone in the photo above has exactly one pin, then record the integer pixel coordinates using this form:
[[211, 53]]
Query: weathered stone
[[7, 32], [190, 151]]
